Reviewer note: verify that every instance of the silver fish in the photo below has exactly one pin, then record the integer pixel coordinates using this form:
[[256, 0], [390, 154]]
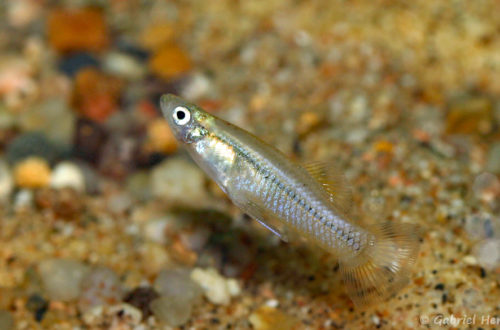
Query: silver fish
[[311, 200]]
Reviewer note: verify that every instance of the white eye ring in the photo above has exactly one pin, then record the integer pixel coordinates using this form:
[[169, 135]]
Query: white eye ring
[[181, 115]]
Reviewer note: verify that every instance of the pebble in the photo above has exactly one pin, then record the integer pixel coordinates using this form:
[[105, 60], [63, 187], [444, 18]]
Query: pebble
[[170, 62], [269, 318], [120, 316], [176, 283], [6, 320], [179, 180], [6, 182], [52, 118], [95, 94], [216, 288], [469, 115], [138, 184], [175, 311], [156, 229], [86, 23], [67, 175], [487, 253], [89, 139], [37, 305], [119, 203], [482, 225], [197, 86], [101, 286], [123, 65], [70, 65], [24, 199], [156, 35], [141, 298], [62, 278], [160, 137], [33, 172], [32, 144], [493, 162]]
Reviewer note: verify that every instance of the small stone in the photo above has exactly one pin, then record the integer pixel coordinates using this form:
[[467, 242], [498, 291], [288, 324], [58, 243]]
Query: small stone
[[176, 283], [6, 320], [37, 305], [119, 203], [33, 172], [269, 318], [493, 162], [67, 175], [487, 253], [30, 145], [53, 118], [157, 35], [66, 203], [179, 180], [95, 94], [138, 184], [123, 65], [156, 229], [24, 199], [22, 13], [169, 62], [6, 182], [470, 115], [120, 316], [217, 289], [72, 64], [482, 225], [141, 298], [87, 24], [118, 156], [175, 311], [100, 287], [89, 139], [307, 122], [160, 137], [62, 278], [197, 86]]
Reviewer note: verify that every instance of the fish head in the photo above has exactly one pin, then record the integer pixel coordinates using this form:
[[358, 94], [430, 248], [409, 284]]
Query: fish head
[[187, 121]]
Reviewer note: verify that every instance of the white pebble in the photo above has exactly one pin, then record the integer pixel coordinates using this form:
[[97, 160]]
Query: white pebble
[[216, 288], [176, 283], [61, 278], [179, 180], [173, 311], [69, 175], [487, 253], [6, 182]]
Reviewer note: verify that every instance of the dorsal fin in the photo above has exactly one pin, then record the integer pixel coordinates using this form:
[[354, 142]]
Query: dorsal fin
[[333, 182]]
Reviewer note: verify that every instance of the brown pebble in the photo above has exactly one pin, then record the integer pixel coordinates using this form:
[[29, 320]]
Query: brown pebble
[[160, 137], [77, 30], [65, 203], [141, 297], [170, 62]]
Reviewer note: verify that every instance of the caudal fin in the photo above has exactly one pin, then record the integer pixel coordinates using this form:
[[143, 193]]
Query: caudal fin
[[384, 267]]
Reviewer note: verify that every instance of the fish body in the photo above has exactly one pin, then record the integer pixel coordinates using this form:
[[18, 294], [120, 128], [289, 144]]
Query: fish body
[[285, 196]]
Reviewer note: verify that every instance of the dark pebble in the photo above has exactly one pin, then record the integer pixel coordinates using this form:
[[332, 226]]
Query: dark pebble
[[141, 298], [133, 50], [38, 306], [72, 64], [89, 140], [33, 144], [439, 286]]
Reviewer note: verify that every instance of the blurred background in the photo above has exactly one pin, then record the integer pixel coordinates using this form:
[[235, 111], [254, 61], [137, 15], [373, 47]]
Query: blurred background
[[404, 97]]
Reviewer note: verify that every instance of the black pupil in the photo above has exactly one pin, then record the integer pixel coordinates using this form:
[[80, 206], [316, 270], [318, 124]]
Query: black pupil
[[181, 115]]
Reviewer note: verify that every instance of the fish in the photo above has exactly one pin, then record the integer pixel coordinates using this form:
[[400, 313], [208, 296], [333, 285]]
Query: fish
[[309, 200]]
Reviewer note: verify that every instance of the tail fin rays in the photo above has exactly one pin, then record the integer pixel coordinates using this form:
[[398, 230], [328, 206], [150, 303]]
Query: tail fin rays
[[383, 267]]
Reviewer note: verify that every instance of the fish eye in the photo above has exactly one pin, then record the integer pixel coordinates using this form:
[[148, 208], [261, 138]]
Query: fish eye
[[181, 115]]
